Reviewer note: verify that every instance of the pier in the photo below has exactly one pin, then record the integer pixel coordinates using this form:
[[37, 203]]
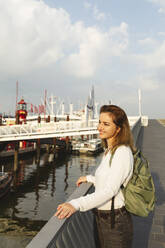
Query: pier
[[150, 232]]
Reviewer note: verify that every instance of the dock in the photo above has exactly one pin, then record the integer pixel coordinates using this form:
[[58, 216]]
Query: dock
[[149, 232], [22, 151]]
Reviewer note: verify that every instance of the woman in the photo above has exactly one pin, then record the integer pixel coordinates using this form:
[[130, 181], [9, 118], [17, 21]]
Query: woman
[[114, 171]]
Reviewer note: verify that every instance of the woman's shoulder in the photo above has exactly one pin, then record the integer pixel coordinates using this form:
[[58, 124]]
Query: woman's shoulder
[[124, 153], [123, 149]]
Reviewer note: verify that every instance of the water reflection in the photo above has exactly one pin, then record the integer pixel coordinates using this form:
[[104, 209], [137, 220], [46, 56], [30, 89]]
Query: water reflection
[[37, 190], [66, 176]]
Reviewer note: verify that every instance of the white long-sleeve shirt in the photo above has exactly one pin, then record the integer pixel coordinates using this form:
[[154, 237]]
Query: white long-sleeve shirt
[[107, 181]]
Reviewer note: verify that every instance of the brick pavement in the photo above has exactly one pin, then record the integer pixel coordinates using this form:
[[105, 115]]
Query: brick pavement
[[150, 232]]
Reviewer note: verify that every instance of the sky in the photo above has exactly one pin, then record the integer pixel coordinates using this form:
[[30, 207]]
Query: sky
[[65, 47]]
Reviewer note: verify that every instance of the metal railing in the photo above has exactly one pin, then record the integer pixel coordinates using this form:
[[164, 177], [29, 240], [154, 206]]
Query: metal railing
[[47, 130], [51, 129]]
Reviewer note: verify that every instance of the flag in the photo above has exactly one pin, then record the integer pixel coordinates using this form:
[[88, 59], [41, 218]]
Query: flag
[[35, 110], [41, 108], [31, 108]]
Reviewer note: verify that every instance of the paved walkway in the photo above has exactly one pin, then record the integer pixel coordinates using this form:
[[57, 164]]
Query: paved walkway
[[150, 232]]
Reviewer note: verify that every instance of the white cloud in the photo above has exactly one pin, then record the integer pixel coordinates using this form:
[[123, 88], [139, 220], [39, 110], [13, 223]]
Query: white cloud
[[122, 29], [147, 83], [95, 48], [87, 5], [162, 10], [160, 3], [147, 42], [161, 33], [120, 36], [34, 36], [155, 59], [97, 14]]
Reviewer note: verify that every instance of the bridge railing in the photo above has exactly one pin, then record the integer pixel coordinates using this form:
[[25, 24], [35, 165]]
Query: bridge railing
[[54, 129], [46, 127], [59, 129], [77, 231]]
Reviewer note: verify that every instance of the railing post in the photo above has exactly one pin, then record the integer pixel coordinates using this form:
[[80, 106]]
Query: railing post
[[17, 118], [39, 119], [48, 118], [54, 148], [38, 151], [16, 150], [67, 137]]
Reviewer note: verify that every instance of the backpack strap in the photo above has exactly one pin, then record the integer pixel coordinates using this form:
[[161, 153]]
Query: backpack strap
[[112, 212]]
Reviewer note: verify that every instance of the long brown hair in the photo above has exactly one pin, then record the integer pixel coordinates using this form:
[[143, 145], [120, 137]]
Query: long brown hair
[[124, 136]]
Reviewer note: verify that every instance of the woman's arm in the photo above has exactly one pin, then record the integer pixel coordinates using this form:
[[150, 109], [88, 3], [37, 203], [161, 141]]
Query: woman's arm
[[65, 210], [117, 173], [91, 179]]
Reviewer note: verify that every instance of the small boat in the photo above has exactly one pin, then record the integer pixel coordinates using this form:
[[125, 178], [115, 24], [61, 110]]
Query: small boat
[[90, 147], [5, 183]]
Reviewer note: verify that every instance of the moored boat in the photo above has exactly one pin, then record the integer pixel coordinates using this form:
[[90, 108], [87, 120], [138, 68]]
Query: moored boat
[[90, 147], [5, 183]]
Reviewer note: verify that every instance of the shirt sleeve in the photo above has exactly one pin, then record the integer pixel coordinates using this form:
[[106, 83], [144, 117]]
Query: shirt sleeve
[[116, 175], [91, 179]]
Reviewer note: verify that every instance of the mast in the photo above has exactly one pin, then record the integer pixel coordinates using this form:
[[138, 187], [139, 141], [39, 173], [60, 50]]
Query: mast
[[140, 107], [45, 103], [52, 102], [16, 107]]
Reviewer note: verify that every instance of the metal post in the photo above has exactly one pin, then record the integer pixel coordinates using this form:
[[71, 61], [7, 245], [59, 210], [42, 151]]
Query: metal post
[[48, 118], [16, 150], [54, 148], [38, 151], [17, 118], [39, 119], [67, 137]]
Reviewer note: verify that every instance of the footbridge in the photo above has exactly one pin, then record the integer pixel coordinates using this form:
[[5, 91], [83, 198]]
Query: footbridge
[[33, 131]]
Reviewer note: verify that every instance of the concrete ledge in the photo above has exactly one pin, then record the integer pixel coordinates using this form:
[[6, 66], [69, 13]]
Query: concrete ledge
[[47, 233]]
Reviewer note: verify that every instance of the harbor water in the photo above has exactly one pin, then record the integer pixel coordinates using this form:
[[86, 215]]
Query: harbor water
[[36, 192]]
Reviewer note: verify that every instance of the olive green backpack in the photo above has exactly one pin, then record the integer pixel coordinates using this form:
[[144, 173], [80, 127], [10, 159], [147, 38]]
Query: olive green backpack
[[139, 193]]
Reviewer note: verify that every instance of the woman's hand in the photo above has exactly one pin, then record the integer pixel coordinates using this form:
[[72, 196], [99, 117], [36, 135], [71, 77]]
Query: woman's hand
[[81, 180], [65, 210]]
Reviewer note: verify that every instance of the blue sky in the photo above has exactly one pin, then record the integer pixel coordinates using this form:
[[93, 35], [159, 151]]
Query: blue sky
[[68, 46]]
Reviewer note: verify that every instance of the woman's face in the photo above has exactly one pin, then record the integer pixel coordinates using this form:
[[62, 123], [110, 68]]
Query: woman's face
[[107, 128]]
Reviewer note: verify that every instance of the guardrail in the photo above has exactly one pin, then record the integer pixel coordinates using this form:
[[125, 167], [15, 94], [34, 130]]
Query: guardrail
[[77, 231]]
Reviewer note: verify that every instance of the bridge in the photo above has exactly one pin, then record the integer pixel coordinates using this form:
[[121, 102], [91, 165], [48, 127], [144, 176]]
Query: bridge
[[33, 131]]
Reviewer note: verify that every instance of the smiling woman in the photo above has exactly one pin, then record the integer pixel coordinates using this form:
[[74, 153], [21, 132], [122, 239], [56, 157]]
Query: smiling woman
[[107, 127], [112, 232]]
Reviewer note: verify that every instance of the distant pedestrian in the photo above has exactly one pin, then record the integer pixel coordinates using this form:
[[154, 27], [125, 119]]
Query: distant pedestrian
[[114, 227]]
